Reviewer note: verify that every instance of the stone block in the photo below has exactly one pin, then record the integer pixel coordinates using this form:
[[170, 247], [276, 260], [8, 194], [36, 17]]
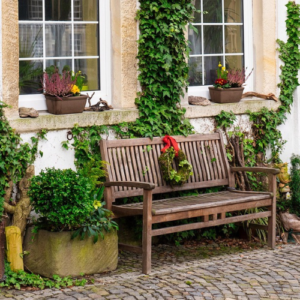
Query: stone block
[[54, 253]]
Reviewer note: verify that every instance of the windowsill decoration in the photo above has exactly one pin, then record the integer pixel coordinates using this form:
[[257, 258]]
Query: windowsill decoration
[[169, 152], [62, 91], [228, 87]]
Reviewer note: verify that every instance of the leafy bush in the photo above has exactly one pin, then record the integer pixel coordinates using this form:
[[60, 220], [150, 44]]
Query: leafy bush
[[62, 197], [23, 279], [295, 184]]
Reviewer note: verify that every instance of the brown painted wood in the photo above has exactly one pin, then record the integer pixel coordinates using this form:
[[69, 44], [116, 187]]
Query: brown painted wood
[[194, 226], [272, 209], [256, 169], [147, 231], [140, 185], [166, 188], [208, 211], [158, 140], [127, 159]]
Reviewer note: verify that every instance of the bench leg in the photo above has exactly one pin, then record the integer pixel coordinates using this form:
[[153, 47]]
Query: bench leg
[[272, 230], [147, 241], [272, 218], [147, 231]]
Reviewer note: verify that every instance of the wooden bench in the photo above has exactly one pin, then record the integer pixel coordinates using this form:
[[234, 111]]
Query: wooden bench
[[134, 170]]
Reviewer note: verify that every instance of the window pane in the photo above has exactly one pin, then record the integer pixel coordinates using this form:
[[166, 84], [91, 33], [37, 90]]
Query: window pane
[[86, 10], [90, 70], [61, 64], [31, 10], [234, 62], [86, 39], [58, 40], [58, 10], [31, 40], [195, 71], [213, 42], [234, 40], [233, 10], [214, 11], [210, 69], [195, 41], [197, 16], [30, 75]]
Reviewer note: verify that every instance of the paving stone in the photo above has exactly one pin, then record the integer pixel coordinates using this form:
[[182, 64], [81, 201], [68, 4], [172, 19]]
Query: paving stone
[[259, 274]]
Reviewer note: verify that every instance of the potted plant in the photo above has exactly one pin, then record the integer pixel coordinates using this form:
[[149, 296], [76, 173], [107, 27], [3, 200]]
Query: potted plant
[[228, 87], [65, 238], [62, 92]]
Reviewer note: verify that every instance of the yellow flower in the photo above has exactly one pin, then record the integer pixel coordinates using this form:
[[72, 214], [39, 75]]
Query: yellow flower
[[97, 204], [75, 90], [223, 68], [220, 65]]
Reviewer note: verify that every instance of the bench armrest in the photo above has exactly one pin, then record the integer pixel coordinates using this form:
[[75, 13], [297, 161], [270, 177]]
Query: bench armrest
[[272, 171], [139, 185]]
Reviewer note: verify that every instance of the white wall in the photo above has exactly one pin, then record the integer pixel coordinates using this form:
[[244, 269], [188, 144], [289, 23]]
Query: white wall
[[54, 155]]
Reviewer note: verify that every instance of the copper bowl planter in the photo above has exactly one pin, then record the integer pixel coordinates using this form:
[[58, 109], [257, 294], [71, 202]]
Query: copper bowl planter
[[231, 95], [68, 105]]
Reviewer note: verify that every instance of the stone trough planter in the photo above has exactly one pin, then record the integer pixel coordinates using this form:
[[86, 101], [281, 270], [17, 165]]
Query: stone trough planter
[[54, 253]]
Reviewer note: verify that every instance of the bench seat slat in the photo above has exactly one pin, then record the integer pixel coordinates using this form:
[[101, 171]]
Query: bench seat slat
[[180, 204]]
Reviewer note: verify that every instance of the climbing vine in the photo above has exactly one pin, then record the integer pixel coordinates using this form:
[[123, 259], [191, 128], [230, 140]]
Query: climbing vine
[[265, 122], [15, 157], [163, 68]]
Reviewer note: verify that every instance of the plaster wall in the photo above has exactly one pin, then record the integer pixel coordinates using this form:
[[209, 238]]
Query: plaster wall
[[54, 156]]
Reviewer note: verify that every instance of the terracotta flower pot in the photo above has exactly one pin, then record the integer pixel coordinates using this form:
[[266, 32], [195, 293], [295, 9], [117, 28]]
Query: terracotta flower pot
[[230, 95], [68, 105]]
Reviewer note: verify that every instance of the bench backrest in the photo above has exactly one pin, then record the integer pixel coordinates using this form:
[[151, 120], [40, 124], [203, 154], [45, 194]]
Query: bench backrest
[[137, 160]]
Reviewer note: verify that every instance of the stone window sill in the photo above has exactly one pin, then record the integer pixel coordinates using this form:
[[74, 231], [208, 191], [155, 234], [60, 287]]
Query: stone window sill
[[59, 122]]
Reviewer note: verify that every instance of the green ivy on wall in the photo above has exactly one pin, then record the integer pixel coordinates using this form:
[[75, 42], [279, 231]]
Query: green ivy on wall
[[265, 122], [163, 68], [15, 157]]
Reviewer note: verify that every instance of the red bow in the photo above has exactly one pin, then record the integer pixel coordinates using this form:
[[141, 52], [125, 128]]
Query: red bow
[[170, 142]]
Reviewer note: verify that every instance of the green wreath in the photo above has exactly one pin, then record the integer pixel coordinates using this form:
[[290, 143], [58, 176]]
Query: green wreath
[[169, 174]]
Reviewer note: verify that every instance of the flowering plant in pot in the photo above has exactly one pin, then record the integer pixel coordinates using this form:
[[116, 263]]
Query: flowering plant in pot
[[62, 92], [228, 87], [74, 233]]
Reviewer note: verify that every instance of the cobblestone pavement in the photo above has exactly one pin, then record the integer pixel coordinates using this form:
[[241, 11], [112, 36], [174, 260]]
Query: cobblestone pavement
[[254, 274]]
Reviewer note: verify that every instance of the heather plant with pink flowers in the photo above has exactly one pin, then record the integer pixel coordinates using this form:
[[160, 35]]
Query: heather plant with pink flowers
[[60, 85], [236, 77]]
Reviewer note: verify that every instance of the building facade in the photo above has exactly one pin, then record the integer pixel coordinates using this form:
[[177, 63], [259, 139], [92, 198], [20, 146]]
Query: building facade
[[98, 38]]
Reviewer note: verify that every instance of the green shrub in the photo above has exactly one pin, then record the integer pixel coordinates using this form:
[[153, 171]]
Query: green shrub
[[295, 184], [62, 198], [21, 279]]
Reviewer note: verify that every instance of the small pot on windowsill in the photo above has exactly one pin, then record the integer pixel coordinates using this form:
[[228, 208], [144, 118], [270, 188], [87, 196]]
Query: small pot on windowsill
[[65, 105], [230, 95]]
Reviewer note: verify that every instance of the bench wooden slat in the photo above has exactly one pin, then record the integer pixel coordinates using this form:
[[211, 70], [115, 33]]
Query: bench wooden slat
[[194, 226], [158, 140], [219, 158], [196, 162], [189, 203], [206, 212]]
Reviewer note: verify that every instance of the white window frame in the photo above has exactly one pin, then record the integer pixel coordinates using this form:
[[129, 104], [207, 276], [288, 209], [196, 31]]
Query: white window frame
[[38, 101], [248, 51]]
